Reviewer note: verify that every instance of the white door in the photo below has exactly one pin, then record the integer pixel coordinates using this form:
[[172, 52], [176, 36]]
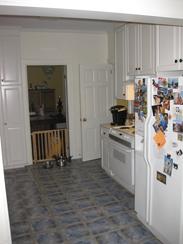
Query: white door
[[96, 86], [167, 48], [14, 150]]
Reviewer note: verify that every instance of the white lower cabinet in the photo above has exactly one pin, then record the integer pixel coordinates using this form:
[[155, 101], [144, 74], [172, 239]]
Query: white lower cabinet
[[12, 127]]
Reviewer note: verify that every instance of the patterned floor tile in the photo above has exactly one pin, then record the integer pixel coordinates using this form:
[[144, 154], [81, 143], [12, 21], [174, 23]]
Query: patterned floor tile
[[92, 213], [115, 207], [152, 241], [137, 233], [68, 218], [61, 207], [85, 241], [104, 199], [77, 204], [99, 226], [25, 239], [43, 224], [20, 228], [49, 238], [38, 211], [82, 203], [76, 232], [123, 219], [111, 238]]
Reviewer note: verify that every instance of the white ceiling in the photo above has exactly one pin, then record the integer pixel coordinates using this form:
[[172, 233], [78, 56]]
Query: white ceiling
[[143, 11]]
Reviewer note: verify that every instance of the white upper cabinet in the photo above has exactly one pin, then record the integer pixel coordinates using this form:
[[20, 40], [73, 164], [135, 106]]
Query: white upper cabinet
[[167, 48], [120, 62], [10, 59], [146, 56], [140, 49], [169, 45], [132, 52]]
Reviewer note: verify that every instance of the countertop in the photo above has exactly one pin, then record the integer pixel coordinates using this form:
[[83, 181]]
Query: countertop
[[130, 131]]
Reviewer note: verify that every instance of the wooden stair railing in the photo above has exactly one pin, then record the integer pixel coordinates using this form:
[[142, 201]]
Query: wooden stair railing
[[46, 144]]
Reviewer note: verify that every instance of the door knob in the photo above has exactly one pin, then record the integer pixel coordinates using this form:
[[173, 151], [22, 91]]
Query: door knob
[[84, 119]]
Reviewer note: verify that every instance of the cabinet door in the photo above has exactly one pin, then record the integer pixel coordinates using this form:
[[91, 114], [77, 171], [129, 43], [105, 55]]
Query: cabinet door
[[13, 127], [167, 48], [120, 63], [10, 73], [132, 48], [146, 54], [181, 48]]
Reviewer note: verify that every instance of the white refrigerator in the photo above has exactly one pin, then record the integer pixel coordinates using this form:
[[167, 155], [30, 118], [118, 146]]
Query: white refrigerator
[[159, 156]]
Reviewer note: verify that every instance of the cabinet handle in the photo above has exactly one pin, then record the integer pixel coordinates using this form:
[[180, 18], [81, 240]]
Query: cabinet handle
[[180, 60], [136, 69], [5, 123], [176, 60], [104, 133]]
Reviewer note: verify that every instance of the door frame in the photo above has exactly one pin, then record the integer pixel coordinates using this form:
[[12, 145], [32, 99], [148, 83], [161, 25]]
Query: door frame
[[69, 82]]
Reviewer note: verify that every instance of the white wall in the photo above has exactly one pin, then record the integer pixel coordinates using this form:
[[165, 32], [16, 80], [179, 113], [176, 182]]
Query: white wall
[[5, 236], [72, 49]]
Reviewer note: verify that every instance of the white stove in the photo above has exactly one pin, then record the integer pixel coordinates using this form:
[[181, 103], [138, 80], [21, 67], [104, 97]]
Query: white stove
[[123, 135]]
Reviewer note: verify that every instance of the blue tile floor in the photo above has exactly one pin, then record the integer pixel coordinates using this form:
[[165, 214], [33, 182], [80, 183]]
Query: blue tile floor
[[77, 204]]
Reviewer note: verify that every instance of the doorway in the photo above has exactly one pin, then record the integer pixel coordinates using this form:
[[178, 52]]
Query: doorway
[[48, 115]]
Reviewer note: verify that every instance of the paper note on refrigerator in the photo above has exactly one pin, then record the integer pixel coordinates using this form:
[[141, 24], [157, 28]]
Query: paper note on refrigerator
[[159, 138]]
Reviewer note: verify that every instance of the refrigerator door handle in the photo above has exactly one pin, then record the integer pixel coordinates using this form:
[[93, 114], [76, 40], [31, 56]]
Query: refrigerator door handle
[[146, 149]]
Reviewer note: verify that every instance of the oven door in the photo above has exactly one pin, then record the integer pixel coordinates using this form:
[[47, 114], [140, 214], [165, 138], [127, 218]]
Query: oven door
[[121, 164]]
